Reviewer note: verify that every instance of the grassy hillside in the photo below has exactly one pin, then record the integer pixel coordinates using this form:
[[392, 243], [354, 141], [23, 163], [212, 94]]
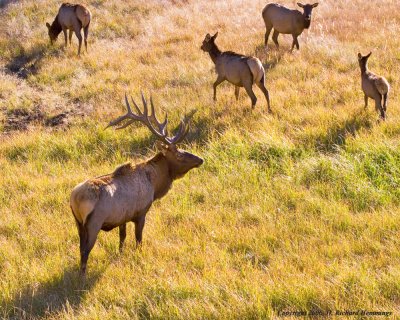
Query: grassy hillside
[[298, 210]]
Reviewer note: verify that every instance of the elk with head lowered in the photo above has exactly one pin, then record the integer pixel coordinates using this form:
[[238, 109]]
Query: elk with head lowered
[[112, 200]]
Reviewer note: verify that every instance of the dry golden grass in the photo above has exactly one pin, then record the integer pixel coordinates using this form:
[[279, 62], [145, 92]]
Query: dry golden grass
[[298, 210]]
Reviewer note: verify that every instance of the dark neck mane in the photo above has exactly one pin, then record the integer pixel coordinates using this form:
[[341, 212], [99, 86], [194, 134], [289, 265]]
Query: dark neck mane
[[55, 27], [214, 52], [161, 177], [364, 68]]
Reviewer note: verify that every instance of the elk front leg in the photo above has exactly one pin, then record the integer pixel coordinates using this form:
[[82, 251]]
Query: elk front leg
[[139, 225], [365, 101], [122, 236], [295, 43], [215, 85]]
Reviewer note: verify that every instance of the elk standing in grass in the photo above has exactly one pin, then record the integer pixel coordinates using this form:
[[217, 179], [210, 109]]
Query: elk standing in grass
[[112, 200], [240, 70], [373, 86], [286, 21], [72, 17]]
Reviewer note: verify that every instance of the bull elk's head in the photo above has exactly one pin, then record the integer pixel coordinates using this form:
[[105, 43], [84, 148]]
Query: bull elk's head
[[180, 161]]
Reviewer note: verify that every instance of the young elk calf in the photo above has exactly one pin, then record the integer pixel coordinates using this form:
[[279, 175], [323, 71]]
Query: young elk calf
[[286, 21], [72, 17], [240, 70], [112, 200], [374, 86]]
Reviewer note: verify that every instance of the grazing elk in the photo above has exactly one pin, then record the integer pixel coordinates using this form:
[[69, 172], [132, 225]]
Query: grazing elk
[[373, 86], [286, 21], [112, 200], [72, 17], [240, 70]]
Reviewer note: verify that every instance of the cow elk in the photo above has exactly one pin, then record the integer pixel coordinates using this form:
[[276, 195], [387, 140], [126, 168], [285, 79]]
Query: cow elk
[[240, 70], [112, 200], [286, 21], [72, 17], [373, 86]]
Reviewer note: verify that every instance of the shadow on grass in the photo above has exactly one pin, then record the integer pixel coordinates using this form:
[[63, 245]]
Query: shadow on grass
[[27, 62], [63, 292], [337, 134], [272, 58], [5, 3]]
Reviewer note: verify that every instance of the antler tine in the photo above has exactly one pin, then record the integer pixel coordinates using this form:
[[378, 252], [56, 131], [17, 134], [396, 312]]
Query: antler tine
[[183, 128], [162, 127], [128, 115]]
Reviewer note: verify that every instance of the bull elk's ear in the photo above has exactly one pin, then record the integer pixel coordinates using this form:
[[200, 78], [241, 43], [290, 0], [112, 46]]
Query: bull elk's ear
[[367, 56], [315, 5], [47, 25], [215, 35], [300, 5], [208, 37], [359, 56]]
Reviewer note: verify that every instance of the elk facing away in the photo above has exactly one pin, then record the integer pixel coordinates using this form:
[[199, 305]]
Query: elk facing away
[[240, 70], [373, 86], [112, 200], [286, 21], [72, 17]]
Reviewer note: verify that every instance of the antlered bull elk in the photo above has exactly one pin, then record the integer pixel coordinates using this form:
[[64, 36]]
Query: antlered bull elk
[[286, 21], [72, 17], [112, 200], [240, 70], [373, 86]]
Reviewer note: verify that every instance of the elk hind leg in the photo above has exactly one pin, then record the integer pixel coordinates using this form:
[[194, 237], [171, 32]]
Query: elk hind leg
[[70, 37], [92, 228], [79, 36], [267, 32], [275, 38], [237, 92], [379, 108], [385, 98], [85, 34], [261, 85], [249, 90]]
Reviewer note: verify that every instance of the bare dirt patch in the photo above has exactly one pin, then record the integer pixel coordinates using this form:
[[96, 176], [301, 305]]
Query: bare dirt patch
[[22, 119]]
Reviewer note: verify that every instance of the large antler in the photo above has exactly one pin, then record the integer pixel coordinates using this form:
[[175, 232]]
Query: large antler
[[144, 117]]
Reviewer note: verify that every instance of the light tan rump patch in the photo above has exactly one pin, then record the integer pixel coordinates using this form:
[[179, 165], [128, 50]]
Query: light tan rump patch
[[84, 198], [256, 68], [382, 85]]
